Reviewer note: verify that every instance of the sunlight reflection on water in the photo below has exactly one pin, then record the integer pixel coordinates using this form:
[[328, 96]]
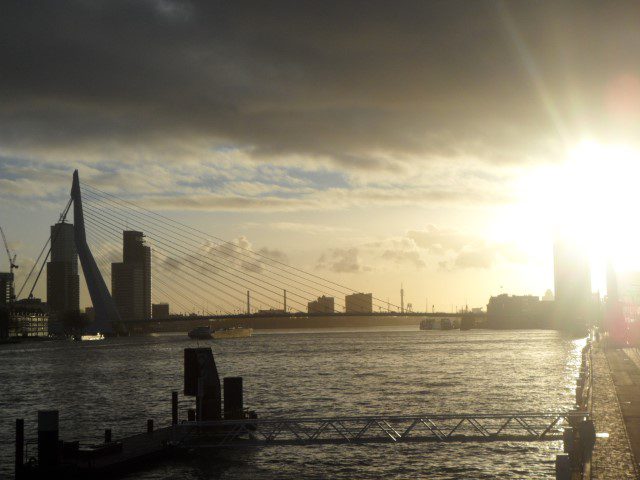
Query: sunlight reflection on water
[[119, 383]]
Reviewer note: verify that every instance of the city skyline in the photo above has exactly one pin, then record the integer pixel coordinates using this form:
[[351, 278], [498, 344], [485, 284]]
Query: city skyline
[[315, 239], [363, 154]]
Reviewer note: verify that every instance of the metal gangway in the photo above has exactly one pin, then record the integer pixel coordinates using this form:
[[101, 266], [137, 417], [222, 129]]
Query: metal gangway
[[488, 427]]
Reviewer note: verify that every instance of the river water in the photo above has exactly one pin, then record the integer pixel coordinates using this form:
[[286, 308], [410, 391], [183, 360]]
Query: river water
[[119, 383]]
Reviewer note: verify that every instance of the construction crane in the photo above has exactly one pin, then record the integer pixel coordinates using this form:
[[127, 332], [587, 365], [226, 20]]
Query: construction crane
[[12, 264], [12, 259]]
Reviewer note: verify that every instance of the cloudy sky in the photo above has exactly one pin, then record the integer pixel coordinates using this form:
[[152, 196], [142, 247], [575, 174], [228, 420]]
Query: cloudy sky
[[374, 143]]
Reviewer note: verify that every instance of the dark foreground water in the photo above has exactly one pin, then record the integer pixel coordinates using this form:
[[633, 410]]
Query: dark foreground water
[[119, 383]]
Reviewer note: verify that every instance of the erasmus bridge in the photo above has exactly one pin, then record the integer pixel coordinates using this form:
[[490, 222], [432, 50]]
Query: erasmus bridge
[[198, 274]]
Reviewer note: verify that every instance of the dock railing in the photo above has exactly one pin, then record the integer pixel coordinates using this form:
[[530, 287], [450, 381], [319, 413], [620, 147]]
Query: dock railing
[[380, 429]]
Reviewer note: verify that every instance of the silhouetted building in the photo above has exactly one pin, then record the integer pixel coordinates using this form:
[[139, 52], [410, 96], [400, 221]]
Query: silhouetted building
[[63, 281], [572, 284], [321, 305], [6, 288], [90, 313], [160, 310], [131, 279], [358, 303], [518, 311], [29, 318]]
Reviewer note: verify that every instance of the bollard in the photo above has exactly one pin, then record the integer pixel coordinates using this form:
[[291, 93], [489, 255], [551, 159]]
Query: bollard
[[587, 432], [174, 407], [47, 438], [150, 426], [191, 415], [107, 435], [567, 440], [563, 467], [233, 402], [19, 445]]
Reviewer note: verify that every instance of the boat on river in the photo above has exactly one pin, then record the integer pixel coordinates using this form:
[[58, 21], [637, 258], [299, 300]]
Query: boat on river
[[443, 323], [201, 333], [205, 333], [427, 324]]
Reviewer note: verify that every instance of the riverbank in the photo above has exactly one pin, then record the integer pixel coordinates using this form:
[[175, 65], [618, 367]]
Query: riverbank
[[616, 414]]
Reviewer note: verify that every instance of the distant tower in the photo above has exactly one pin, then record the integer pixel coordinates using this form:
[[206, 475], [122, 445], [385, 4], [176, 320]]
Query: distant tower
[[131, 279], [401, 299], [572, 284], [248, 303], [63, 282]]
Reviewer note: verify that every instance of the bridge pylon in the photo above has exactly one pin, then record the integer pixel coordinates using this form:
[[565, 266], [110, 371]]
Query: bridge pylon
[[106, 313]]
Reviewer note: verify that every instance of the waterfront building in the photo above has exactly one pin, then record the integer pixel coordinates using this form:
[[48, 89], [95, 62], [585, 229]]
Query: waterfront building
[[6, 288], [322, 305], [359, 303], [63, 281], [518, 311], [131, 278], [160, 310], [29, 318]]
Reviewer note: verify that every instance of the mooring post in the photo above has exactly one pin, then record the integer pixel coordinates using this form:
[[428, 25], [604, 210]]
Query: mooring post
[[107, 435], [174, 407], [191, 415], [19, 444], [150, 426], [47, 438], [567, 439], [587, 432], [563, 467]]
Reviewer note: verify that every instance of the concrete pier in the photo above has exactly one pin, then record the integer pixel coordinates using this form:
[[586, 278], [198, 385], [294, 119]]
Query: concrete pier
[[616, 391]]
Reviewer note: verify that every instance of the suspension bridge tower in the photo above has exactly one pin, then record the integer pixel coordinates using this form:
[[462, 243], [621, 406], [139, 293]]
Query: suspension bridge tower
[[106, 313]]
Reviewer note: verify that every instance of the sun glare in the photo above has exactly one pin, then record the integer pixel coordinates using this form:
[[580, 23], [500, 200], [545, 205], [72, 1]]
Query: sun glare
[[590, 198], [596, 193]]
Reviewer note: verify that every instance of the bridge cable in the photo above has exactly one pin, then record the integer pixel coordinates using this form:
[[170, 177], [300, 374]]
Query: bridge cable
[[157, 278], [174, 246], [208, 236], [224, 265]]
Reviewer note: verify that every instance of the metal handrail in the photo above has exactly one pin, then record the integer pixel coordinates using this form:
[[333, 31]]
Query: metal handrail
[[527, 426]]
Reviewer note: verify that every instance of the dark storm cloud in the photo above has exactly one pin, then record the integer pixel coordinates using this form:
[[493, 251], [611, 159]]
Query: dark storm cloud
[[347, 81]]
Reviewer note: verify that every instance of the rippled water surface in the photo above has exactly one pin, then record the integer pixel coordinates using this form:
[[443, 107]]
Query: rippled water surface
[[119, 383]]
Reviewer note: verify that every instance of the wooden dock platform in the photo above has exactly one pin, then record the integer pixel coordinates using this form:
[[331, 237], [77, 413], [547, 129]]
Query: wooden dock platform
[[107, 459]]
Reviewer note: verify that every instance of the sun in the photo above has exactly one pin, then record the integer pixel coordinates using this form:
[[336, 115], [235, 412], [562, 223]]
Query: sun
[[591, 197], [597, 193]]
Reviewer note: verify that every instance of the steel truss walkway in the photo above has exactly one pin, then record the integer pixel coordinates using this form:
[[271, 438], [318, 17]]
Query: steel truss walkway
[[377, 429]]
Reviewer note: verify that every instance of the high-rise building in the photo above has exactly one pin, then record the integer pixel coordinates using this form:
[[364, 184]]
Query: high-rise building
[[359, 303], [63, 281], [6, 288], [572, 273], [131, 279], [321, 305], [572, 285]]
